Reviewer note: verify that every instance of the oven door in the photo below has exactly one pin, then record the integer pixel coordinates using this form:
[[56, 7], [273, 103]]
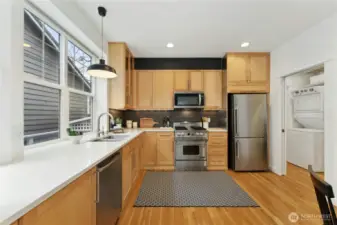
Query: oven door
[[189, 100], [190, 150]]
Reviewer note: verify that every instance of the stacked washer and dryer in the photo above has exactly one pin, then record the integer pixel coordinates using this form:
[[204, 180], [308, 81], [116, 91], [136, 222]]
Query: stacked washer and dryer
[[305, 146]]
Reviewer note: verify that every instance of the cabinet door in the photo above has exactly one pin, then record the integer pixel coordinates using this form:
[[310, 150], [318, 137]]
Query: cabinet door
[[163, 83], [196, 81], [165, 149], [213, 89], [145, 89], [149, 156], [126, 172], [127, 78], [237, 68], [134, 163], [259, 68], [134, 89], [224, 90], [73, 205], [181, 80]]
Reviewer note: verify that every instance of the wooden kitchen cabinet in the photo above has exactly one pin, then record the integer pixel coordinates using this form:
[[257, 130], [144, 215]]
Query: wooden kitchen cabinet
[[126, 172], [248, 72], [145, 89], [15, 223], [196, 82], [213, 89], [163, 88], [217, 153], [149, 156], [181, 80], [165, 149], [120, 88], [73, 205], [259, 68]]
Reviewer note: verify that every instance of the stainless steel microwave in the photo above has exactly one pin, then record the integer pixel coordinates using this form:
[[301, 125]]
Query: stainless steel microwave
[[189, 100]]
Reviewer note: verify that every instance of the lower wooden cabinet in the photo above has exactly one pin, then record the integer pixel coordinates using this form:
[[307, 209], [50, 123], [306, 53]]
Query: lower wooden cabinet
[[131, 166], [217, 154], [15, 223], [158, 150], [73, 205], [165, 149], [126, 172]]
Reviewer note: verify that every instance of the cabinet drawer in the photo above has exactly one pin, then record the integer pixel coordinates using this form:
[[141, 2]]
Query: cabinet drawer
[[217, 141], [164, 134], [217, 135], [217, 150], [216, 160]]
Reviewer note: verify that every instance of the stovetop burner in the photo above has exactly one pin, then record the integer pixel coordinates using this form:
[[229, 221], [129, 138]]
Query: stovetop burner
[[197, 128], [181, 128]]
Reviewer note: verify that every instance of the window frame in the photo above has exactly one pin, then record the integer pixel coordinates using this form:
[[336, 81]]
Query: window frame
[[63, 79]]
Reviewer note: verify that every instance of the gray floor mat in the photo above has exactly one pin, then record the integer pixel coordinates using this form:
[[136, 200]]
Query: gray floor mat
[[191, 189]]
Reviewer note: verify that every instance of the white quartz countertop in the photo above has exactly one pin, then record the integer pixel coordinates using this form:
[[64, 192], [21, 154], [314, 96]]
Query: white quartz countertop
[[216, 129], [46, 170]]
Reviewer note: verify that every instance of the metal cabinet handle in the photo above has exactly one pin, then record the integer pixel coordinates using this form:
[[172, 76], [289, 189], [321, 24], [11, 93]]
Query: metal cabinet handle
[[97, 187], [235, 122], [99, 170], [237, 149]]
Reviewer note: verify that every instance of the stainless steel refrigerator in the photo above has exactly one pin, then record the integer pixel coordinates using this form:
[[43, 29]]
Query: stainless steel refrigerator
[[247, 117]]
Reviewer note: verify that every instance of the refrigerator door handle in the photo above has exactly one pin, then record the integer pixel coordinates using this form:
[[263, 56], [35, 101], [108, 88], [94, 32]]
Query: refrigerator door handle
[[237, 149], [236, 123]]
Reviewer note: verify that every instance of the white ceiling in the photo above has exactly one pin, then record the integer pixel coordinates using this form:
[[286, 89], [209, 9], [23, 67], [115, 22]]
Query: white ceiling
[[206, 28]]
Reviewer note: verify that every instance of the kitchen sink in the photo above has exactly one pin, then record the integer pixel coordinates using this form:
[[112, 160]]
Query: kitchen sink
[[113, 138]]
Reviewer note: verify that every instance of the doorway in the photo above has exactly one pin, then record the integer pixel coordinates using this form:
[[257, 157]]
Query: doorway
[[303, 119]]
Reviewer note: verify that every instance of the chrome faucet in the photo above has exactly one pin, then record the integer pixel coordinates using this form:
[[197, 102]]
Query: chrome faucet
[[99, 123]]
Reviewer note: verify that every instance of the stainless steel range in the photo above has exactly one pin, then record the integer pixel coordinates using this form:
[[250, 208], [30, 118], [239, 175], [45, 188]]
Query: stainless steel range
[[190, 146]]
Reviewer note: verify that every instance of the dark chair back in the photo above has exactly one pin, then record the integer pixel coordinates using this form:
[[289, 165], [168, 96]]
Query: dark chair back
[[324, 194]]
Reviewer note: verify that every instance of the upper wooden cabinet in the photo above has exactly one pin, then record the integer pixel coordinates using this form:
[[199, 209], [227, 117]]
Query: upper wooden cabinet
[[154, 89], [163, 85], [73, 205], [248, 72], [145, 89], [120, 88], [196, 80], [188, 80], [213, 89], [181, 80], [165, 149]]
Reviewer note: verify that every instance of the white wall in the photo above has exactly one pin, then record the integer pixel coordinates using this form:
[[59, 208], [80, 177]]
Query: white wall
[[11, 81], [314, 46]]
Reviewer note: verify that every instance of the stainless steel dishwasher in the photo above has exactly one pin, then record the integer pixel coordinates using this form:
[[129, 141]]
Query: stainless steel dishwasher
[[109, 190]]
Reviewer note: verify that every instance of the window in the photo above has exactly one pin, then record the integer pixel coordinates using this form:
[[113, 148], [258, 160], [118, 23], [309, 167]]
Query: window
[[42, 49], [41, 113], [80, 109], [49, 90], [80, 112], [78, 63]]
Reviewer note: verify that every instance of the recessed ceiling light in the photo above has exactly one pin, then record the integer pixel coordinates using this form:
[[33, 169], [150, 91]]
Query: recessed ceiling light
[[245, 44], [26, 45], [170, 45]]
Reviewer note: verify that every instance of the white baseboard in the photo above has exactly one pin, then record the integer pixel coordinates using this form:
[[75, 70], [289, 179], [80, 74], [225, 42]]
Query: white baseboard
[[274, 170]]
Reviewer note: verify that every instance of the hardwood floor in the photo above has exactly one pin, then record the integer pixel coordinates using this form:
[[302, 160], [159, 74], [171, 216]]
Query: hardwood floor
[[277, 195]]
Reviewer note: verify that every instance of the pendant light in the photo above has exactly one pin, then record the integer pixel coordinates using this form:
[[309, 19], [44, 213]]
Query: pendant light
[[102, 70]]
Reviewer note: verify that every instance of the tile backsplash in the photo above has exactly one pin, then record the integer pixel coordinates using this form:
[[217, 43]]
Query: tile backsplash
[[218, 118]]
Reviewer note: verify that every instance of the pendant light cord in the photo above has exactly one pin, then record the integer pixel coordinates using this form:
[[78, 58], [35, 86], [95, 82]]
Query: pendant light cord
[[102, 35]]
